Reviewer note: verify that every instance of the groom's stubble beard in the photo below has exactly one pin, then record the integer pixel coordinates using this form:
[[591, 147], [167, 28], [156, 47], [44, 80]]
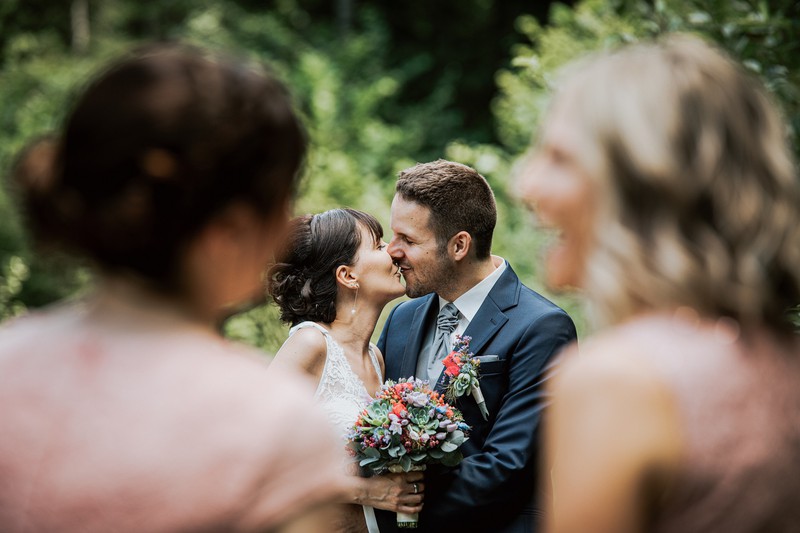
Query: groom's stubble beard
[[436, 277]]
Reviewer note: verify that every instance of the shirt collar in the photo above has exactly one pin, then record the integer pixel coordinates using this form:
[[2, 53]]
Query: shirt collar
[[469, 302]]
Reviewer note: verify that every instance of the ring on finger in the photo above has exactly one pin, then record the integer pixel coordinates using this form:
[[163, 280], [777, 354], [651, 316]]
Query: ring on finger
[[416, 488]]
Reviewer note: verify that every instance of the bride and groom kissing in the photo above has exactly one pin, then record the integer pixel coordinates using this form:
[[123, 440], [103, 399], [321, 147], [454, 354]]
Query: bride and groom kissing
[[333, 279]]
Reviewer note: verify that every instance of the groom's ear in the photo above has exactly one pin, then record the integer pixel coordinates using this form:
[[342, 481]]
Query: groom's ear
[[459, 245]]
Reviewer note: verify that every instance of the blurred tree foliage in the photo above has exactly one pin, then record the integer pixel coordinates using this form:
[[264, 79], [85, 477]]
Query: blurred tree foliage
[[382, 85]]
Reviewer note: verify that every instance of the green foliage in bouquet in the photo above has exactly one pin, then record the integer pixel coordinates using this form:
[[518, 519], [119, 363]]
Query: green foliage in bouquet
[[406, 426]]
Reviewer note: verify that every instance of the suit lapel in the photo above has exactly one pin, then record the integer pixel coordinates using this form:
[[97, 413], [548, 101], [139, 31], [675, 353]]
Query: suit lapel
[[484, 325], [416, 334], [490, 316]]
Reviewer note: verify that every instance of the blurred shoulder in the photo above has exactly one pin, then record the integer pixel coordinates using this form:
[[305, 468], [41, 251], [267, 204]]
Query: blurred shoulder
[[623, 360], [611, 387], [38, 333], [273, 439]]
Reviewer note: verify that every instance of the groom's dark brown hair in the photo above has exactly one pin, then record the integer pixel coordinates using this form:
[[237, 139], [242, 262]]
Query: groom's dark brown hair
[[459, 198]]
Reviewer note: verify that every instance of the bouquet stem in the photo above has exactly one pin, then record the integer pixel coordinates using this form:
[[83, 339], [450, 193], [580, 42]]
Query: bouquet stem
[[405, 520], [478, 395]]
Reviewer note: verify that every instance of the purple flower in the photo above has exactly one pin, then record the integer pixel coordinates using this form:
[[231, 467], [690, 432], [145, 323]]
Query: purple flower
[[417, 399]]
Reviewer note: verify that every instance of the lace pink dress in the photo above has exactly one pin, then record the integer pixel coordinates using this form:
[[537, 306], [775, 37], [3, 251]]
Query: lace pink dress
[[342, 394]]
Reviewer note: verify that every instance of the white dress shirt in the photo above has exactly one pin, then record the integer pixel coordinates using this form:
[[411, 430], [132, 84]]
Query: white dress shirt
[[467, 305]]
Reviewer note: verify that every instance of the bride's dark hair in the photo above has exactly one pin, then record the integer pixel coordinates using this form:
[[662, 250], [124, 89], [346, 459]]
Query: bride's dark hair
[[303, 281]]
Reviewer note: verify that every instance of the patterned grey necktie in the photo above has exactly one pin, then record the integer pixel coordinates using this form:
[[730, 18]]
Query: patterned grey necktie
[[445, 324]]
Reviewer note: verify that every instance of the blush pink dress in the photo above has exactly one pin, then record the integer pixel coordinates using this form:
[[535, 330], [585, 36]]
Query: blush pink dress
[[115, 428], [739, 402]]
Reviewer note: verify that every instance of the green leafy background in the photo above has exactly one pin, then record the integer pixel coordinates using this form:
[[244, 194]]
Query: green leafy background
[[381, 85]]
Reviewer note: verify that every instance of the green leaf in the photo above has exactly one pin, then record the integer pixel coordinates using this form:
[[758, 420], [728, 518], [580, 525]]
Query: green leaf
[[449, 447]]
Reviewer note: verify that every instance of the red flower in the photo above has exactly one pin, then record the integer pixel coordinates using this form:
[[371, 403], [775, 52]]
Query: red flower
[[452, 364], [398, 409]]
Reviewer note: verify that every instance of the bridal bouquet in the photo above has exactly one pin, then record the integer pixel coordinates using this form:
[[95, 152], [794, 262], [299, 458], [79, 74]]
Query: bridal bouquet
[[406, 427], [461, 369]]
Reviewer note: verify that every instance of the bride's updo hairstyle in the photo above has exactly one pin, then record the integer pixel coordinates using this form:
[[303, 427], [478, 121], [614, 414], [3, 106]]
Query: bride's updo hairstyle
[[699, 197], [303, 280], [157, 145]]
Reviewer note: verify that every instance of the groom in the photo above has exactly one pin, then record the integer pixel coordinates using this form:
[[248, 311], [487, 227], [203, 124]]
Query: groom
[[443, 216]]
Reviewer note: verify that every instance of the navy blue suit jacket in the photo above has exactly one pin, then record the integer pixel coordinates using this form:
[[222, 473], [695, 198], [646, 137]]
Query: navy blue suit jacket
[[494, 488]]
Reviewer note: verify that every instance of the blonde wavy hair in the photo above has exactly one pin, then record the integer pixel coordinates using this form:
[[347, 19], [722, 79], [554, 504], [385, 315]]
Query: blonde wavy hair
[[700, 202]]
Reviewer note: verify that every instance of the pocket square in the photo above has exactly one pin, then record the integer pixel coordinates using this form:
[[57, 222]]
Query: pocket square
[[487, 358]]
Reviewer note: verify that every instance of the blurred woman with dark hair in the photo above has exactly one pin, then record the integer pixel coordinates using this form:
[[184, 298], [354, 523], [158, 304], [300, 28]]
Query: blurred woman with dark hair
[[333, 279], [127, 411], [666, 168]]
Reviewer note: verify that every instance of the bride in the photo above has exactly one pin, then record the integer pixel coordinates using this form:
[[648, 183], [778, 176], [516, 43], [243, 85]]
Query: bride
[[333, 280]]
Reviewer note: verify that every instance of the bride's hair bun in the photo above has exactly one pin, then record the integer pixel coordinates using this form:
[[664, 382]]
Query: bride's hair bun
[[303, 280]]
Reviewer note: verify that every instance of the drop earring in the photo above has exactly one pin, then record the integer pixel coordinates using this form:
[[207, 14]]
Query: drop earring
[[355, 299]]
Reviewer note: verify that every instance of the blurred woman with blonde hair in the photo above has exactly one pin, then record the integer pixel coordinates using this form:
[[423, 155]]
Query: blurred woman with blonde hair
[[667, 170]]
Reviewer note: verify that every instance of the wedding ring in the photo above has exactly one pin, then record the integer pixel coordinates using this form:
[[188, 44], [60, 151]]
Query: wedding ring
[[416, 488]]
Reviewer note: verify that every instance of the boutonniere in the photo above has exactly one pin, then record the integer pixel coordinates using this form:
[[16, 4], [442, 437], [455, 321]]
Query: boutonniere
[[462, 370]]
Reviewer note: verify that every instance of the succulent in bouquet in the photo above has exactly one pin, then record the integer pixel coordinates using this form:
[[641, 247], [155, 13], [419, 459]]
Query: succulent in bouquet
[[406, 427]]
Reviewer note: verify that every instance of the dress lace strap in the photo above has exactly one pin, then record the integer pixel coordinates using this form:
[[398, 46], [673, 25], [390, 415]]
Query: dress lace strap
[[331, 352], [374, 358], [309, 324]]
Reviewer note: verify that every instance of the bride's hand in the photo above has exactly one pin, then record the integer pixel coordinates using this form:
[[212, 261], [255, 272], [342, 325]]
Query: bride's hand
[[401, 492]]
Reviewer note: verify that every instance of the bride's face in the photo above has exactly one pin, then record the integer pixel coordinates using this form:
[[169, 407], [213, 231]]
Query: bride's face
[[378, 276]]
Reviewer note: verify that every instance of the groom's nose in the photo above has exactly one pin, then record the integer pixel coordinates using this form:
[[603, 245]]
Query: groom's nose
[[394, 249]]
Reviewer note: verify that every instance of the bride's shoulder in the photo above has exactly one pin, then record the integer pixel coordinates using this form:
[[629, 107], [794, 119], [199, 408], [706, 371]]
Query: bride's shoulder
[[305, 349]]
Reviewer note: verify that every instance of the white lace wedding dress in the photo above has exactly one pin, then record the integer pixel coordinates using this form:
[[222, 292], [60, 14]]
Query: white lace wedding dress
[[342, 394]]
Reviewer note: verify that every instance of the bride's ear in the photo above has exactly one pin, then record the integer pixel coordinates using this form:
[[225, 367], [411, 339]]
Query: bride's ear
[[345, 277]]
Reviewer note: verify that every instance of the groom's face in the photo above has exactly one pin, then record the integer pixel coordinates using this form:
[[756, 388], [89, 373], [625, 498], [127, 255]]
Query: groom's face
[[426, 267]]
